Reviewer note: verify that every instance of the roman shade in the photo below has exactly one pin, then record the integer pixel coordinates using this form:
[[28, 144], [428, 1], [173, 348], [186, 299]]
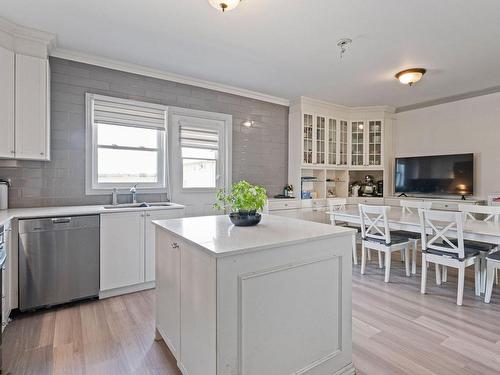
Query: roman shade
[[199, 137], [115, 111]]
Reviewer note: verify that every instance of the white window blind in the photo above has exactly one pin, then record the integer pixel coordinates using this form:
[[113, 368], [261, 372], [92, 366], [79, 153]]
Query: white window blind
[[114, 111], [199, 138]]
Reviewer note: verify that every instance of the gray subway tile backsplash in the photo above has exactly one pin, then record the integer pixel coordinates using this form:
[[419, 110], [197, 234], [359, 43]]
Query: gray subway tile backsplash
[[259, 154]]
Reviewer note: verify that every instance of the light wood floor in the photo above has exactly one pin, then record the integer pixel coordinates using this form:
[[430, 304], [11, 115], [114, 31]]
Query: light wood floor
[[395, 331]]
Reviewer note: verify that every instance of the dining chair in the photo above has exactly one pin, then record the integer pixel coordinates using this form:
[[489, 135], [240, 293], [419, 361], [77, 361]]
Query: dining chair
[[493, 264], [484, 214], [442, 235], [409, 207], [376, 235], [338, 204]]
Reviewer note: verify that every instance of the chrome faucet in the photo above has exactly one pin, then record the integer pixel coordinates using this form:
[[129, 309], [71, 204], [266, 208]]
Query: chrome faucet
[[115, 197], [133, 190]]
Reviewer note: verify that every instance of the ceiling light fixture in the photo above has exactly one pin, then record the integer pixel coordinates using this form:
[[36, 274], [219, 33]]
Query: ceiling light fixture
[[410, 76], [343, 44], [224, 5]]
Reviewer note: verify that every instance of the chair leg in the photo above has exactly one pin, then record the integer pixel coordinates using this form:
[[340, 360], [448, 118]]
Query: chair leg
[[363, 258], [461, 280], [380, 263], [387, 266], [477, 276], [402, 256], [489, 284], [496, 276], [414, 257], [354, 250], [423, 282], [369, 253], [438, 274], [445, 274], [482, 260], [407, 260]]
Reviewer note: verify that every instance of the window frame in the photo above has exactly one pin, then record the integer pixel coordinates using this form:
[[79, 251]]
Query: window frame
[[92, 186]]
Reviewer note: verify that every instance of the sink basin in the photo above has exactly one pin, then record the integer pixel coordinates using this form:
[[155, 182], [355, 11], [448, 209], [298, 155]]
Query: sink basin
[[138, 205]]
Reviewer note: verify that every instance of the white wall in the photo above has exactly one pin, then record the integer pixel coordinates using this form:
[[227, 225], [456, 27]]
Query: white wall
[[469, 125]]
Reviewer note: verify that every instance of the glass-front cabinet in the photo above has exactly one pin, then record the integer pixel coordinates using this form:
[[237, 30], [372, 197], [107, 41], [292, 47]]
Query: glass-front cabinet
[[308, 139], [332, 141], [343, 142], [320, 140], [366, 138]]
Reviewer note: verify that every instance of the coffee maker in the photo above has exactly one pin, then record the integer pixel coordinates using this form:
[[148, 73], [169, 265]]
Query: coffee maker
[[368, 188]]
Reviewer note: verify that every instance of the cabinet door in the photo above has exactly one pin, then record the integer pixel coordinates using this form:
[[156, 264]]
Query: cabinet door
[[150, 238], [168, 290], [320, 139], [374, 142], [307, 139], [31, 121], [357, 143], [122, 249], [343, 142], [6, 103], [332, 142]]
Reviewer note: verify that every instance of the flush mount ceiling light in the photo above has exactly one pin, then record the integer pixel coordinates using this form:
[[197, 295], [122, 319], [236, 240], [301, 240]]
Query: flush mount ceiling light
[[410, 76], [343, 44], [224, 5]]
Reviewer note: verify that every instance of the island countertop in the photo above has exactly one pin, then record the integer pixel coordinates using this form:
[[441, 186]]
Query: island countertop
[[217, 236]]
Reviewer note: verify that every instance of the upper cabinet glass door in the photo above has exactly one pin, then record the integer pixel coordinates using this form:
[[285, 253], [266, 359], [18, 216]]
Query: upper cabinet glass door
[[343, 143], [375, 142], [320, 140], [332, 141], [308, 139], [357, 142]]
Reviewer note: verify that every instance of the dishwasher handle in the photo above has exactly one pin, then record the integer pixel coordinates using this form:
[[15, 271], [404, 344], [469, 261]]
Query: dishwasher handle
[[61, 220]]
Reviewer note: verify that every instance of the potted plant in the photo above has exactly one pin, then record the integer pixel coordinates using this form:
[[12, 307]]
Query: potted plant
[[243, 201]]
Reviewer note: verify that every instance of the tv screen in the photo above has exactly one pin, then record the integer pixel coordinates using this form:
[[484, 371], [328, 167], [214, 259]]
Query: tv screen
[[439, 174]]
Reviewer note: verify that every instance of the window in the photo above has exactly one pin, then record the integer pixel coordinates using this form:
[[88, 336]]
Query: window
[[199, 154], [125, 144]]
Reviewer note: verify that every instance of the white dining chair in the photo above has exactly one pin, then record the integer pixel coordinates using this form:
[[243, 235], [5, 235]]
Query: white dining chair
[[376, 235], [410, 207], [493, 265], [339, 204], [442, 235], [485, 214]]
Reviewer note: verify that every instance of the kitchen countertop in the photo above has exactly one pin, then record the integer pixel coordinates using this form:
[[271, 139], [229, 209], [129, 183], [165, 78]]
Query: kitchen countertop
[[25, 213], [217, 236]]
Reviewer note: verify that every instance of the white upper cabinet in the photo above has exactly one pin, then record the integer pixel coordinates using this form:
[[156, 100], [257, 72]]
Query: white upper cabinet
[[366, 140], [6, 103], [307, 139], [32, 108]]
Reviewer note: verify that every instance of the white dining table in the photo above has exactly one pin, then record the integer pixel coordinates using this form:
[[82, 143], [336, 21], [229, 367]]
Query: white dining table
[[488, 232]]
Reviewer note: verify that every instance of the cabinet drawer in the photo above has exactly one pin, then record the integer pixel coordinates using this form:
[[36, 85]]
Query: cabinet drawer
[[283, 204], [365, 200], [447, 206], [313, 203]]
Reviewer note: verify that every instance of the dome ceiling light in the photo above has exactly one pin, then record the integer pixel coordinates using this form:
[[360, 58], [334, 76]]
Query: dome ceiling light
[[224, 5], [410, 76]]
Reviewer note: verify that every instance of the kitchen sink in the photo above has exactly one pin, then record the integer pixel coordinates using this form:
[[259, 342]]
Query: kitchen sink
[[138, 205]]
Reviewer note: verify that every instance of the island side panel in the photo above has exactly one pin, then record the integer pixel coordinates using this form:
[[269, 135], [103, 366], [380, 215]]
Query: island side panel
[[286, 310]]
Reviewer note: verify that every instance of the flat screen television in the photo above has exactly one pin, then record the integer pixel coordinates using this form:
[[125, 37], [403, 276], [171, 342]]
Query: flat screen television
[[438, 175]]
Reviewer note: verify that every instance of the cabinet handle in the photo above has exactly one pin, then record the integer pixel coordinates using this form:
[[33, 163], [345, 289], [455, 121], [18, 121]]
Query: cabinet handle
[[148, 214], [175, 245], [12, 152], [41, 153]]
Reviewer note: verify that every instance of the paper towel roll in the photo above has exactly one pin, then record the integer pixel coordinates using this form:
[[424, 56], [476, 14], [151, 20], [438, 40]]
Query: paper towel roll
[[4, 196]]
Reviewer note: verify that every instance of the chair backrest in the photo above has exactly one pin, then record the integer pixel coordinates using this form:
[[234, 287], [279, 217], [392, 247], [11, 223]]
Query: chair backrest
[[374, 222], [441, 226], [337, 204], [412, 207], [489, 213]]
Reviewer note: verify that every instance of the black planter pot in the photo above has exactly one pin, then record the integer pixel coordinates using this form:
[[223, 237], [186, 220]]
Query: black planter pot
[[245, 219]]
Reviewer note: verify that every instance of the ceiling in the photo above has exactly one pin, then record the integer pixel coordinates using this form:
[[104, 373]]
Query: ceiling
[[287, 48]]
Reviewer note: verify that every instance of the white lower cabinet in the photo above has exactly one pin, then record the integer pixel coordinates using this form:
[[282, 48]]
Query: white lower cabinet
[[128, 248]]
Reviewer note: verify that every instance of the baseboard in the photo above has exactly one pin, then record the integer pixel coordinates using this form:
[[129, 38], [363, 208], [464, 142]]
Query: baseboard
[[347, 370], [126, 290]]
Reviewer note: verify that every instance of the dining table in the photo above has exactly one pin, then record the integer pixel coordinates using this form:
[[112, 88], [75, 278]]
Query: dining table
[[473, 230]]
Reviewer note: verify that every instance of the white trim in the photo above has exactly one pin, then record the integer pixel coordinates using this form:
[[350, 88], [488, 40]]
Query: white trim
[[160, 74]]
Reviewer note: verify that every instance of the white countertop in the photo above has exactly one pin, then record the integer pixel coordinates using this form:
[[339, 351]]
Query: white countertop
[[24, 213], [217, 236]]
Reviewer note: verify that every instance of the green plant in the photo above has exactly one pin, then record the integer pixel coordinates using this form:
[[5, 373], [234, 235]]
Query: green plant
[[243, 197]]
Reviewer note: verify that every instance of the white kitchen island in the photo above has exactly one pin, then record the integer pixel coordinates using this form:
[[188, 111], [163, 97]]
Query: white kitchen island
[[274, 299]]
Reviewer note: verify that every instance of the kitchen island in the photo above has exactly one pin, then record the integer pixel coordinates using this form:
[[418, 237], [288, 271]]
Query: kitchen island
[[274, 299]]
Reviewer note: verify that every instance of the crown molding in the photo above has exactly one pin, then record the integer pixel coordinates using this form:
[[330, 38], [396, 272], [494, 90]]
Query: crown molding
[[28, 33], [160, 74], [341, 108]]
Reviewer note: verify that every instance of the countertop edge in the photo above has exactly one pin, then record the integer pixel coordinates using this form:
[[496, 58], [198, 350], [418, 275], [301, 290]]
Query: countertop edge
[[344, 232]]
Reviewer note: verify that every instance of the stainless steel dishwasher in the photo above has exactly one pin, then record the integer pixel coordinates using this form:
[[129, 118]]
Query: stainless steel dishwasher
[[58, 260]]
